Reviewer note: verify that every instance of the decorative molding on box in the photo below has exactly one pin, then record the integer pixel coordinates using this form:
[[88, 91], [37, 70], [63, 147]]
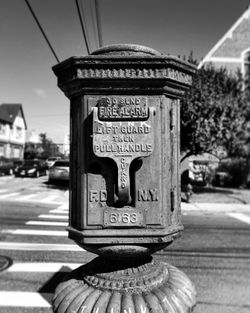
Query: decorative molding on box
[[132, 73]]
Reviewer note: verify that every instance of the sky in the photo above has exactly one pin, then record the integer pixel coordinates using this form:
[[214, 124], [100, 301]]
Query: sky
[[170, 26]]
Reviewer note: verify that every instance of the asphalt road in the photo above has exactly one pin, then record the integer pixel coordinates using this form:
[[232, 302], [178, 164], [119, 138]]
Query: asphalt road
[[213, 251]]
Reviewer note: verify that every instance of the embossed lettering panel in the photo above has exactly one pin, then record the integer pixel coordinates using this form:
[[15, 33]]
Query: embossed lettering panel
[[97, 198], [134, 148], [123, 141], [120, 217], [100, 190], [123, 108]]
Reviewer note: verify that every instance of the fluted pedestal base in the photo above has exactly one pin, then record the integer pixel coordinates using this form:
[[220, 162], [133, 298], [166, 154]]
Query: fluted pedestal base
[[108, 286]]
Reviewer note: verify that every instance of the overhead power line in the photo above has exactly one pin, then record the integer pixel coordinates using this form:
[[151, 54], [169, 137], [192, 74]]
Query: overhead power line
[[98, 22], [83, 10], [41, 29], [83, 27]]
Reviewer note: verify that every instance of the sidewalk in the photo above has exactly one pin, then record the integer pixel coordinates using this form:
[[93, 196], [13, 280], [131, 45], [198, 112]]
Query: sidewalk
[[215, 207]]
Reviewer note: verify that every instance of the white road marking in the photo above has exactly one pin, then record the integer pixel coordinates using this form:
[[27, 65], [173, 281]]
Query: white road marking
[[25, 246], [49, 216], [35, 188], [35, 232], [44, 223], [3, 190], [3, 178], [9, 195], [26, 197], [23, 299], [44, 201], [64, 208], [34, 198], [50, 198], [41, 267], [240, 216], [58, 211]]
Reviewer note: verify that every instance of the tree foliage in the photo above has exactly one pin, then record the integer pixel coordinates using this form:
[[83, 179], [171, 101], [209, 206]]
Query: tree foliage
[[45, 148], [214, 114]]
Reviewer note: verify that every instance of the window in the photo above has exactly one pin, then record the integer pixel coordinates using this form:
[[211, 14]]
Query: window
[[16, 152], [2, 129], [19, 133]]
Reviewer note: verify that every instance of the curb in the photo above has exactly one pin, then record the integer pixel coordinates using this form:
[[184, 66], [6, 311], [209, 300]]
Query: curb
[[215, 207]]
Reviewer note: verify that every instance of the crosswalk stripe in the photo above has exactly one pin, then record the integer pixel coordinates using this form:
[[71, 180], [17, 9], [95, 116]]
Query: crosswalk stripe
[[46, 200], [240, 216], [14, 197], [58, 211], [9, 195], [50, 198], [26, 197], [23, 299], [36, 232], [64, 206], [26, 246], [42, 267], [45, 223], [50, 216]]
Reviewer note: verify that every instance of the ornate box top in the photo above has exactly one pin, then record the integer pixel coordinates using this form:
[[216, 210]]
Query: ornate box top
[[132, 68]]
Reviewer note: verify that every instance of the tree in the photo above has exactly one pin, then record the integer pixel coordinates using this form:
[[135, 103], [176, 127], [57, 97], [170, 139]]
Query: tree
[[214, 114], [30, 151], [46, 147]]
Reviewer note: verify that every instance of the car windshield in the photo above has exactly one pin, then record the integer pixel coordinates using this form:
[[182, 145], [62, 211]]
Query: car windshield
[[30, 163], [61, 163], [52, 159]]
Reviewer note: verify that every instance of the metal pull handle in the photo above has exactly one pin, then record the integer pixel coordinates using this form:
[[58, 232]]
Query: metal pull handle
[[123, 142], [123, 164]]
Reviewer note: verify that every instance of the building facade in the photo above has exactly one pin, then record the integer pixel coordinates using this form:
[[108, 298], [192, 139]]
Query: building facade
[[12, 131], [233, 49]]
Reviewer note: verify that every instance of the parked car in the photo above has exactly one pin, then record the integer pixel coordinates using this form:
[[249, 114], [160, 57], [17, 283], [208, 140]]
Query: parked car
[[8, 167], [32, 168], [17, 164], [51, 160], [59, 171], [222, 179]]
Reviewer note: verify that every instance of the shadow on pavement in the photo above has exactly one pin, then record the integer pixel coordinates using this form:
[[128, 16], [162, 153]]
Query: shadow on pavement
[[61, 185], [48, 289], [199, 189]]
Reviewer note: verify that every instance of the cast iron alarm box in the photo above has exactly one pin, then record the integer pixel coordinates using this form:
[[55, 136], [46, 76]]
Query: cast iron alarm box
[[124, 148]]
